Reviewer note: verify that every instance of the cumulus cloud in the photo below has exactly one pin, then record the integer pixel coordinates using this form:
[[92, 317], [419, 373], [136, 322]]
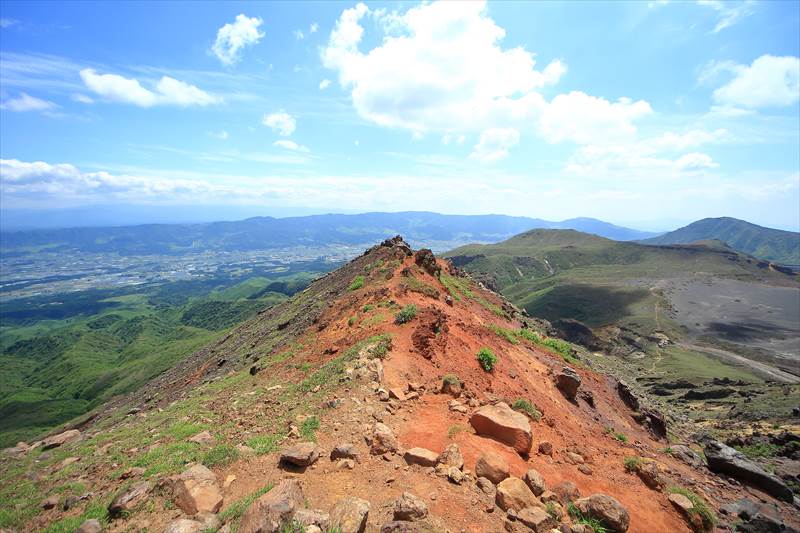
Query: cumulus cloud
[[281, 122], [441, 67], [299, 35], [313, 28], [324, 84], [25, 102], [234, 37], [290, 145], [769, 81], [729, 12], [82, 98], [494, 144], [7, 22], [167, 91]]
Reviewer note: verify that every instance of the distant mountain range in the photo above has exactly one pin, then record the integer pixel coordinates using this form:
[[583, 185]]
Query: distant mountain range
[[419, 228], [765, 243]]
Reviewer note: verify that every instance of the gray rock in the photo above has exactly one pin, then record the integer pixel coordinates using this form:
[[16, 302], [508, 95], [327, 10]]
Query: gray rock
[[92, 525], [410, 508], [269, 512], [723, 459], [301, 454], [687, 455], [606, 508], [568, 382], [350, 515], [344, 451], [128, 499]]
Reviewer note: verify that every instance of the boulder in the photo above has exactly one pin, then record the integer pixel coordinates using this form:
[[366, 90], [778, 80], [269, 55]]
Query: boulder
[[505, 425], [383, 440], [606, 508], [312, 517], [54, 441], [204, 437], [399, 526], [723, 459], [568, 382], [196, 491], [425, 259], [129, 498], [269, 512], [486, 486], [682, 503], [535, 482], [409, 507], [513, 493], [537, 519], [649, 472], [687, 455], [92, 525], [350, 515], [627, 396], [301, 454], [421, 456], [455, 475], [451, 456], [545, 448], [184, 525], [567, 492], [492, 466], [50, 502], [344, 451]]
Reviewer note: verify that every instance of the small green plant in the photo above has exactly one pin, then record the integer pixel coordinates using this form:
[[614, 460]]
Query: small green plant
[[508, 334], [621, 437], [356, 284], [455, 429], [487, 359], [451, 379], [406, 314], [264, 444], [699, 507], [759, 450], [550, 507], [632, 463], [367, 308], [308, 428], [236, 510], [597, 525], [220, 455], [667, 450], [351, 321], [524, 406]]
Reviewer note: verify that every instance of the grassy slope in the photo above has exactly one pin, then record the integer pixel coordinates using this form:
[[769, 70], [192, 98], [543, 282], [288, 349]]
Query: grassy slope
[[55, 370], [764, 243]]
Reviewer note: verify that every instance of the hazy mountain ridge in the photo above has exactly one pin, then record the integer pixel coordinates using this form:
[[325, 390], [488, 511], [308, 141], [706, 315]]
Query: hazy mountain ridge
[[267, 232], [765, 243]]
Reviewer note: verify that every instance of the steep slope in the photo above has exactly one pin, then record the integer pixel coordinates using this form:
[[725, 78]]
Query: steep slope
[[370, 383], [765, 243]]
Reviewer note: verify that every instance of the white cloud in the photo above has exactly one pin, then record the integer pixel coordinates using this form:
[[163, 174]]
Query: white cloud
[[769, 81], [7, 22], [423, 78], [298, 34], [695, 161], [729, 12], [494, 144], [25, 102], [281, 122], [168, 91], [222, 135], [313, 28], [290, 145], [584, 119], [82, 98], [233, 38], [324, 84]]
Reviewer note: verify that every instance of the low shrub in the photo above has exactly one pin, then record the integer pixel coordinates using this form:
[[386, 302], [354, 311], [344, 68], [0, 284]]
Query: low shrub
[[632, 463], [699, 507], [524, 406], [406, 314], [451, 379], [221, 455], [487, 359], [357, 283]]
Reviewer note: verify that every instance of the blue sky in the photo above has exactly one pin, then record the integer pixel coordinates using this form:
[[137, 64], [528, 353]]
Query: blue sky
[[648, 114]]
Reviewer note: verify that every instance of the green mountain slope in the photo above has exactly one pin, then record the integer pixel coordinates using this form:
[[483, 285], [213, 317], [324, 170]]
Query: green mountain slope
[[567, 274], [765, 243]]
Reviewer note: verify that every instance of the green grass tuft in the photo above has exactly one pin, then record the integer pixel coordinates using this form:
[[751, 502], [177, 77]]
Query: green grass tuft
[[487, 359], [525, 406], [357, 283], [264, 444], [632, 463], [308, 428], [700, 507], [220, 455], [406, 314]]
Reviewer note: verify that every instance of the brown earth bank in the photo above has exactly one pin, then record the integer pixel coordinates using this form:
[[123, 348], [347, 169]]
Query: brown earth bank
[[348, 401]]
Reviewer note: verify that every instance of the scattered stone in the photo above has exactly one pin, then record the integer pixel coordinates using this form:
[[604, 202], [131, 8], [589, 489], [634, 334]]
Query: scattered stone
[[455, 475], [184, 525], [128, 499], [451, 456], [687, 455], [425, 259], [549, 496], [572, 458], [132, 472], [68, 461], [486, 486], [492, 466], [312, 517], [545, 448], [229, 479], [606, 508], [344, 451], [501, 422], [54, 441], [627, 396], [723, 459], [537, 519], [399, 526], [567, 492], [513, 493], [301, 454], [92, 525], [383, 440], [421, 456], [397, 394], [244, 450], [409, 507], [383, 395], [743, 508], [458, 407], [195, 491], [349, 515], [204, 437], [568, 382], [70, 502], [649, 472], [535, 482], [585, 469], [451, 387], [269, 512], [50, 502], [682, 503]]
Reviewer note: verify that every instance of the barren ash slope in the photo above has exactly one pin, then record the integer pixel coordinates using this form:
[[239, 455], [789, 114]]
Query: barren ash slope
[[361, 405]]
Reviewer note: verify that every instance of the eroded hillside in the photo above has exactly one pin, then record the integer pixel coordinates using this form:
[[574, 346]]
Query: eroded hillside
[[394, 394]]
